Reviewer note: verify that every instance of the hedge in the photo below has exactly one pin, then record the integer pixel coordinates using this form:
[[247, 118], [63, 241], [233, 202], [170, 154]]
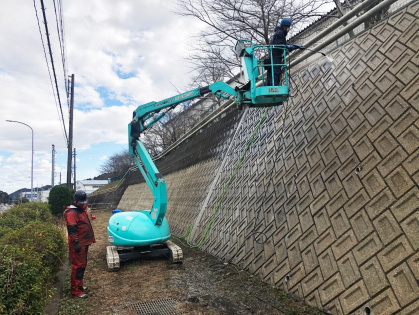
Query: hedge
[[21, 215], [59, 198], [31, 253]]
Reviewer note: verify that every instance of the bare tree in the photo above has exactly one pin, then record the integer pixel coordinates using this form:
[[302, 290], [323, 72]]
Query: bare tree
[[229, 20], [117, 164], [167, 131]]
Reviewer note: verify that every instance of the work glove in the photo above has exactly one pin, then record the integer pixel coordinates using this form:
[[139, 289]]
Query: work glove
[[77, 247], [294, 47]]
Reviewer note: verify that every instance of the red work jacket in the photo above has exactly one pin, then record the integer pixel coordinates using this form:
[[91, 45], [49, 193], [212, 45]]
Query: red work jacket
[[78, 226]]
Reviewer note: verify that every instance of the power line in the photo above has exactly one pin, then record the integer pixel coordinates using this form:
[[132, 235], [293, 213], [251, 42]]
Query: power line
[[62, 42], [49, 72], [52, 65], [64, 50]]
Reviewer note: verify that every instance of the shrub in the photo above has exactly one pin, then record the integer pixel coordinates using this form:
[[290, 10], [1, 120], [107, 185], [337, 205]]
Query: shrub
[[21, 282], [59, 198], [4, 230], [19, 216], [31, 252], [39, 239]]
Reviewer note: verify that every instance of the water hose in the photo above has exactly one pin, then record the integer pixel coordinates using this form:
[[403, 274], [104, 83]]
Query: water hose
[[189, 228], [319, 52]]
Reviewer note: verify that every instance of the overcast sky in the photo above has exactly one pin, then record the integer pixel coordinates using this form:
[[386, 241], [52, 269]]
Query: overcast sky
[[122, 53]]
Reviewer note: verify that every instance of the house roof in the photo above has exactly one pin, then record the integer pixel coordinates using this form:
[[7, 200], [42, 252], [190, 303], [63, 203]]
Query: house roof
[[92, 182]]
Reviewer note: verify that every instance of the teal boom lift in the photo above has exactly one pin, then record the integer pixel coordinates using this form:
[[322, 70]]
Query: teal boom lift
[[144, 233]]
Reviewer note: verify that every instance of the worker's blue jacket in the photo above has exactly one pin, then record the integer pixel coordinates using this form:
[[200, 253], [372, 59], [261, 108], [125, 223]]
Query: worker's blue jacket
[[279, 38]]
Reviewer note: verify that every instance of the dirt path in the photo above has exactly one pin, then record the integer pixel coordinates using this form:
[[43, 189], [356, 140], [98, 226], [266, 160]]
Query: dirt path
[[194, 287]]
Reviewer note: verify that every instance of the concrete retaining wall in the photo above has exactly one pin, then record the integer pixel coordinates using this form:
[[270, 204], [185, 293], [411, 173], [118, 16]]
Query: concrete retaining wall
[[186, 190], [331, 180]]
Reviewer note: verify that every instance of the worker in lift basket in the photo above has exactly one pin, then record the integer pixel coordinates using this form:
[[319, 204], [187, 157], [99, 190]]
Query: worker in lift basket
[[279, 38], [80, 236]]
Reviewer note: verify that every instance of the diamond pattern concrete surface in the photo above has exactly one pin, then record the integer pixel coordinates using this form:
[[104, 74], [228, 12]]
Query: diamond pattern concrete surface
[[330, 178]]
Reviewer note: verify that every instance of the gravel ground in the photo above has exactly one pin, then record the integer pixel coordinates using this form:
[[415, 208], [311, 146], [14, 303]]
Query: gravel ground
[[200, 285]]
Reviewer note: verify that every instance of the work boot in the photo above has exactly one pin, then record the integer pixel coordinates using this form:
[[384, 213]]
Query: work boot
[[83, 289], [81, 296]]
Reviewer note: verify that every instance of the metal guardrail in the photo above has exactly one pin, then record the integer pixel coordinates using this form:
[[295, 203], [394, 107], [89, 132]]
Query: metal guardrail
[[228, 105], [350, 27], [334, 26]]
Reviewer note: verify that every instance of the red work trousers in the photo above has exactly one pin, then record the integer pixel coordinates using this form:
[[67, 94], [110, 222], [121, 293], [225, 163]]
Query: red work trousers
[[78, 266]]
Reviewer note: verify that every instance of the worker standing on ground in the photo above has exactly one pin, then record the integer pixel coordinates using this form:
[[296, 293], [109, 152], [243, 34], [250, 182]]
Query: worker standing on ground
[[279, 38], [80, 236]]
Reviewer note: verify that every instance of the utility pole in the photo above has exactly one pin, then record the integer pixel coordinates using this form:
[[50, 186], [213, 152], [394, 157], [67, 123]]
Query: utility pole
[[74, 157], [70, 135], [53, 166]]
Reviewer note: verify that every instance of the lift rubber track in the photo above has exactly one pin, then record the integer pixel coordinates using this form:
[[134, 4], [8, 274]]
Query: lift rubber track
[[176, 252], [112, 258], [171, 251]]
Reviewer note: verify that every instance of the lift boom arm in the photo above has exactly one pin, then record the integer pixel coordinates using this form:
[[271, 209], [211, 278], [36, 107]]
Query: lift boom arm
[[140, 123], [249, 94]]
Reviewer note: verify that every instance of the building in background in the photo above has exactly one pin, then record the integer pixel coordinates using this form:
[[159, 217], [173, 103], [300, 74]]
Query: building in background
[[43, 195], [40, 194], [90, 185]]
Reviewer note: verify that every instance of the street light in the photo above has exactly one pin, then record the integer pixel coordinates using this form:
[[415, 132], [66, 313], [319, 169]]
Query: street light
[[32, 154]]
